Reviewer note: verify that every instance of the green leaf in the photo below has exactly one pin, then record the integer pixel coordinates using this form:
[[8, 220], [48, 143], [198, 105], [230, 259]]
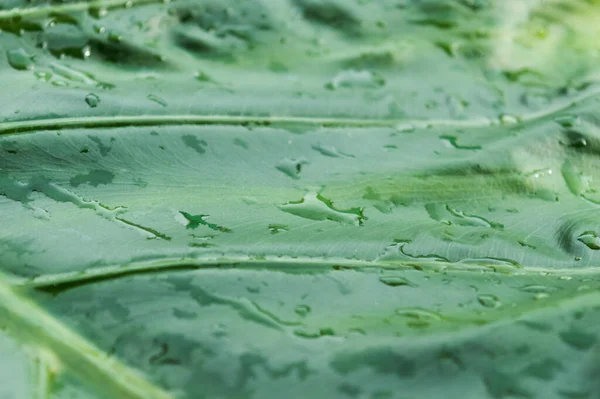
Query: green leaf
[[223, 199]]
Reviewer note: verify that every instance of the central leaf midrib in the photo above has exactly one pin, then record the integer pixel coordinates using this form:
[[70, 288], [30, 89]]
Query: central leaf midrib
[[32, 125], [190, 119], [161, 266]]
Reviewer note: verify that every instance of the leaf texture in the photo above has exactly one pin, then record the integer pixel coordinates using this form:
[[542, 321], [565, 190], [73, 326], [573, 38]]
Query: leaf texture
[[353, 199]]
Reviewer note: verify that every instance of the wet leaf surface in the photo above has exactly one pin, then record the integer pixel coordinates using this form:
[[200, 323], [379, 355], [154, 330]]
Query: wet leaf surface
[[208, 199]]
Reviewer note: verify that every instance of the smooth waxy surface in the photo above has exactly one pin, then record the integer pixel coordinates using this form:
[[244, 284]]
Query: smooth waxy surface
[[391, 199]]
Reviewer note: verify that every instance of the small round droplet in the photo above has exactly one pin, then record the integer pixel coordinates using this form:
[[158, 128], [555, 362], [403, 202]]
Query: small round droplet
[[98, 12], [396, 281], [568, 121], [277, 228], [541, 295], [578, 142], [92, 100], [202, 77], [508, 119], [115, 37], [489, 301], [536, 289], [302, 310], [19, 59], [43, 76], [253, 289], [86, 51]]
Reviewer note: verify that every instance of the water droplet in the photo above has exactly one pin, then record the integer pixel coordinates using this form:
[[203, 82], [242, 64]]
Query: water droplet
[[537, 288], [194, 143], [568, 121], [43, 76], [78, 76], [450, 48], [253, 289], [397, 249], [201, 245], [576, 140], [448, 215], [418, 314], [526, 245], [353, 78], [508, 119], [383, 206], [453, 142], [489, 300], [539, 173], [86, 51], [314, 333], [302, 310], [291, 167], [157, 100], [329, 151], [92, 100], [115, 37], [97, 12], [202, 77], [396, 281], [316, 207], [19, 59], [326, 331], [573, 178], [277, 228], [590, 239]]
